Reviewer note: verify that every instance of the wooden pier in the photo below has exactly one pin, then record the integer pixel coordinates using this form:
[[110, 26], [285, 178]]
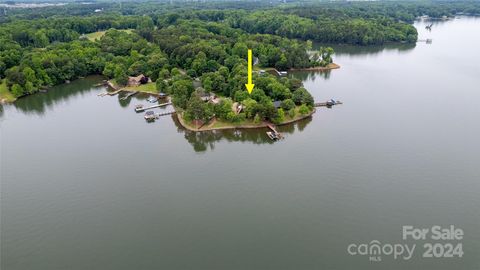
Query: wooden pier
[[273, 134], [152, 117], [142, 109], [110, 93], [280, 73], [272, 128], [428, 40], [129, 95], [327, 104]]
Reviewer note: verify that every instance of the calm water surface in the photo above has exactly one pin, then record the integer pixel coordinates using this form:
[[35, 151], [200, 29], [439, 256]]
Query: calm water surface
[[87, 184]]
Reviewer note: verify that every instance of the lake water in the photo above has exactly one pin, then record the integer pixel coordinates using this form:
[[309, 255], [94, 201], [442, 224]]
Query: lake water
[[86, 183]]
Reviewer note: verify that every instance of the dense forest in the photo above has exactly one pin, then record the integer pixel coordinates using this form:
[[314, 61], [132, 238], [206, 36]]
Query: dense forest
[[172, 53], [175, 44]]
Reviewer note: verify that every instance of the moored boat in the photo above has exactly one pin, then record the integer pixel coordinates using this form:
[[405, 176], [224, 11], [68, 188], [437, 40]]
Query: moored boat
[[152, 99], [150, 116], [272, 135]]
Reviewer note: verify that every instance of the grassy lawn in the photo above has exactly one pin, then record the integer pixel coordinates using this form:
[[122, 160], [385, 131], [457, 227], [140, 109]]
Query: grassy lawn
[[4, 93], [246, 122], [97, 35], [145, 88], [297, 116]]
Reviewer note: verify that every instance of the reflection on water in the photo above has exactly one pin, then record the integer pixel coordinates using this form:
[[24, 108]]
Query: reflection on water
[[311, 74], [123, 102], [40, 102], [363, 51], [205, 140]]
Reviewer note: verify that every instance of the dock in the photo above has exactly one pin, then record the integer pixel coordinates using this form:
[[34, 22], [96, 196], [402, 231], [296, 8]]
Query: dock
[[152, 117], [166, 113], [110, 93], [280, 73], [329, 103], [142, 109], [274, 134], [129, 95], [428, 40]]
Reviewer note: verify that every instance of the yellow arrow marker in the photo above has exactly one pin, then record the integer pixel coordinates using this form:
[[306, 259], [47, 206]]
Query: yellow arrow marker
[[249, 85]]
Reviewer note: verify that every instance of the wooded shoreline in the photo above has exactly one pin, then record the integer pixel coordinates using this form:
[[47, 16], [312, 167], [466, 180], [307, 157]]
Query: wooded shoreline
[[328, 67], [111, 85], [263, 124]]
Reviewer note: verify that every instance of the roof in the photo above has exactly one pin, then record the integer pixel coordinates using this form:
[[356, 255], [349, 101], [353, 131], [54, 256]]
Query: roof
[[277, 104], [136, 79], [206, 96], [215, 100]]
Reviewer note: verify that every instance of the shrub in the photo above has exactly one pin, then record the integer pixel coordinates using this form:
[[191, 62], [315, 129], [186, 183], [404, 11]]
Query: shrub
[[292, 112], [257, 119], [302, 96], [288, 104], [250, 107], [280, 117], [191, 73], [304, 110], [241, 95]]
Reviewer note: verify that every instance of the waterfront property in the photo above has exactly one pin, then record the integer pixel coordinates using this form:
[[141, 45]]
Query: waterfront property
[[159, 196], [137, 80]]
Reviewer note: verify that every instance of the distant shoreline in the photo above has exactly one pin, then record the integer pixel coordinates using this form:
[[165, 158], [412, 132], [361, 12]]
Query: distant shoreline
[[317, 68], [328, 67]]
